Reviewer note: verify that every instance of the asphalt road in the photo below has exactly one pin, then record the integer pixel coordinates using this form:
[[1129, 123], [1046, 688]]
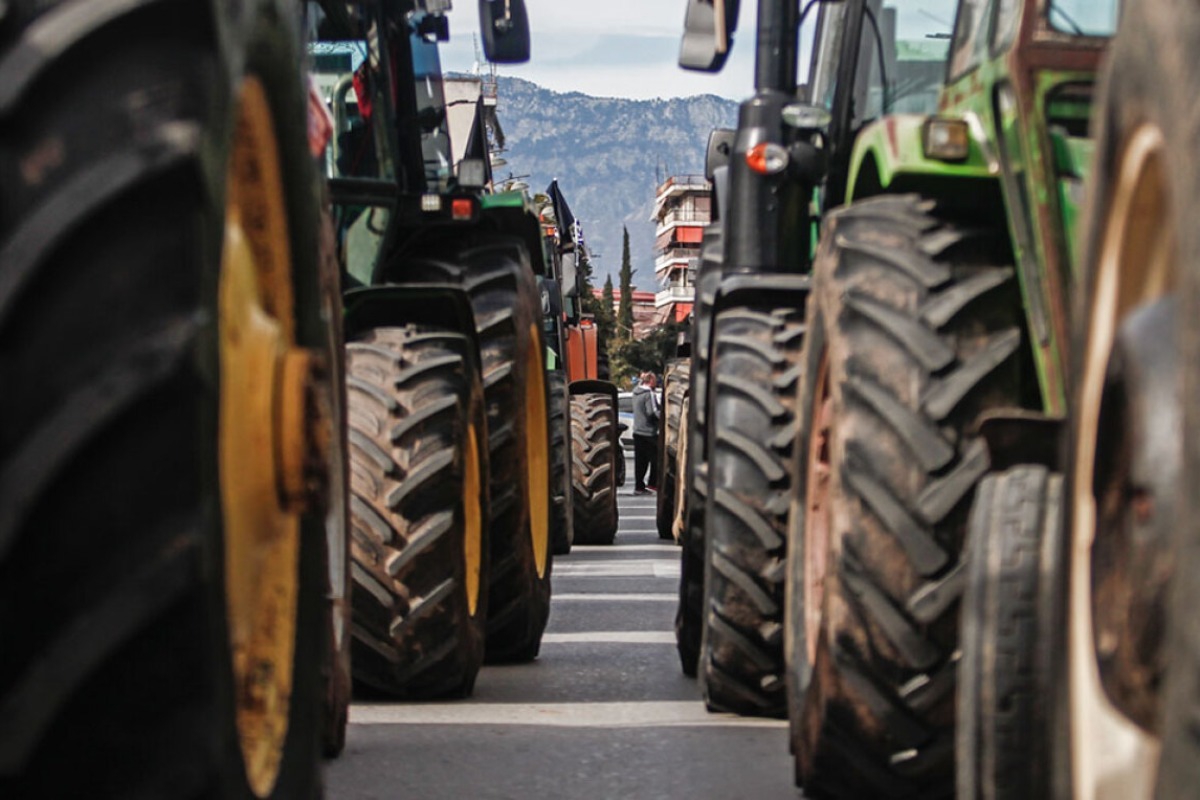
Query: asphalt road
[[604, 712]]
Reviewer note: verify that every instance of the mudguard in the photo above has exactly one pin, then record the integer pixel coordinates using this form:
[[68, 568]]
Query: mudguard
[[443, 305], [890, 155]]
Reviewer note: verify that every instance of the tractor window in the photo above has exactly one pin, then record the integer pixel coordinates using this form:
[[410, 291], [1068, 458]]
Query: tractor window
[[1007, 13], [823, 72], [431, 108], [912, 41], [970, 37], [1083, 17]]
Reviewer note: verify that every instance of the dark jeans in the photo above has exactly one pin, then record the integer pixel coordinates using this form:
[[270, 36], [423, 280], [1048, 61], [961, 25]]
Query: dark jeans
[[645, 455]]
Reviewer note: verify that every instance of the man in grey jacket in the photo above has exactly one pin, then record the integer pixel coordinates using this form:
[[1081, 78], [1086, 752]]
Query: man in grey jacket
[[645, 435]]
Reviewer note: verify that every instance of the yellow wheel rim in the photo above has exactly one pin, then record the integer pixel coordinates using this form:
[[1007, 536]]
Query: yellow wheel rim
[[1111, 757], [537, 452], [263, 378], [472, 518]]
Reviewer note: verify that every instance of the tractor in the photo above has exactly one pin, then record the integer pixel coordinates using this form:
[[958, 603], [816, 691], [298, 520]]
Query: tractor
[[172, 501], [450, 474], [948, 145], [785, 166], [590, 447]]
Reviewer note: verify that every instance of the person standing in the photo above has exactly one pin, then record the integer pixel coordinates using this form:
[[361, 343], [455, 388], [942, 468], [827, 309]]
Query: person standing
[[645, 435]]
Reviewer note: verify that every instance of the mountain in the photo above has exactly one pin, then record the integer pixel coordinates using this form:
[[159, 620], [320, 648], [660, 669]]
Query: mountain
[[608, 154]]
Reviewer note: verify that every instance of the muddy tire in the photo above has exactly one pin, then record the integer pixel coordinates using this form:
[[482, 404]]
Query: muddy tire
[[675, 391], [495, 271], [690, 613], [1002, 749], [117, 675], [562, 522], [335, 669], [1140, 246], [755, 360], [418, 472], [919, 335], [594, 451]]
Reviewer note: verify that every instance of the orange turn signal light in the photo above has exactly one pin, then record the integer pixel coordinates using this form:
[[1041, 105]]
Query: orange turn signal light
[[767, 158]]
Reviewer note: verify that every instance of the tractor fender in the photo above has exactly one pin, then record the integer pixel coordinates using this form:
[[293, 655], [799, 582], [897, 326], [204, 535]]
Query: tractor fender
[[763, 290], [593, 387], [511, 213], [443, 305], [889, 155]]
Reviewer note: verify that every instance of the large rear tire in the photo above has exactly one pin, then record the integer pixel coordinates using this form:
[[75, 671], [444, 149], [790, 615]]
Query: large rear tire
[[562, 522], [915, 334], [419, 498], [675, 391], [594, 451], [752, 430], [690, 613], [1140, 245], [156, 201], [497, 275]]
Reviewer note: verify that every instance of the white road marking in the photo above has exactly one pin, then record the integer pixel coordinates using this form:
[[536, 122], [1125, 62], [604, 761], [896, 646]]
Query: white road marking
[[632, 597], [615, 568], [610, 637], [623, 548], [650, 714], [631, 516]]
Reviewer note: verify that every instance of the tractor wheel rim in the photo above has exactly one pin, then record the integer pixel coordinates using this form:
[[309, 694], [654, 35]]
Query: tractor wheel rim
[[537, 454], [257, 343], [472, 518], [817, 518], [1135, 266]]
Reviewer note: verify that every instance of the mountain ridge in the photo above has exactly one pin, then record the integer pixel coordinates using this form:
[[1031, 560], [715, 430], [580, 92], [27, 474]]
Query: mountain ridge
[[608, 154]]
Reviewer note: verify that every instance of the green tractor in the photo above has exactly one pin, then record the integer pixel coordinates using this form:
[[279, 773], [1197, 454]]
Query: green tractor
[[170, 439], [949, 147], [447, 403]]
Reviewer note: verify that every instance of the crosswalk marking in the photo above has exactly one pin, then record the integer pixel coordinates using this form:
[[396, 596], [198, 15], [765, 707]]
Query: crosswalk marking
[[647, 714], [610, 637], [632, 597], [631, 568], [624, 548]]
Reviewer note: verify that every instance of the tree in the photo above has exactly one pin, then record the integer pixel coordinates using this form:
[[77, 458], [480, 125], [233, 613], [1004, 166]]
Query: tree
[[625, 309], [606, 319]]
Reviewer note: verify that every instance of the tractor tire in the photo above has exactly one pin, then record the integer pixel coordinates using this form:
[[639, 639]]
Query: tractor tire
[[689, 618], [419, 497], [1126, 637], [335, 669], [675, 391], [752, 422], [916, 333], [593, 467], [1002, 745], [562, 523], [495, 272], [1173, 31], [139, 140]]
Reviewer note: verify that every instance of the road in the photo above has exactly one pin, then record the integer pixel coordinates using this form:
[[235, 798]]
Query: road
[[604, 712]]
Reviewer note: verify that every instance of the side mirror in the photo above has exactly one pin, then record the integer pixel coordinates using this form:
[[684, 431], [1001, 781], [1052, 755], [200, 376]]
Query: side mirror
[[708, 34], [504, 25], [720, 149]]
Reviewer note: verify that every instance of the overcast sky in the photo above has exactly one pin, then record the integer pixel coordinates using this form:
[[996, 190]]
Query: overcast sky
[[609, 48]]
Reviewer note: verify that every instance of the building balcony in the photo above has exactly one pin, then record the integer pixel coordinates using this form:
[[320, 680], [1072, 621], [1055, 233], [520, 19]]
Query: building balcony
[[674, 294], [683, 216]]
